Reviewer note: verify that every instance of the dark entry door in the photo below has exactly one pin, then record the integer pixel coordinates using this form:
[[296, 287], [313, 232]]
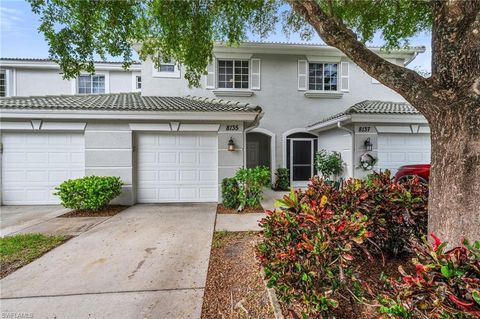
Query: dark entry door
[[302, 159]]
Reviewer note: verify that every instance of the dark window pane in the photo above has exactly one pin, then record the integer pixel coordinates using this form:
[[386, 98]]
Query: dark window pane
[[302, 173], [302, 152]]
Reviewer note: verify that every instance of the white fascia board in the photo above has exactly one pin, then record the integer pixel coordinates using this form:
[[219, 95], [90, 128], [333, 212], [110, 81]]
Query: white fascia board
[[52, 65], [329, 124], [127, 115], [390, 118], [305, 49]]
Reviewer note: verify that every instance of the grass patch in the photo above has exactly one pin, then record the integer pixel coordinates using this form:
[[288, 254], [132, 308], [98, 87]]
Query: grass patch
[[19, 250]]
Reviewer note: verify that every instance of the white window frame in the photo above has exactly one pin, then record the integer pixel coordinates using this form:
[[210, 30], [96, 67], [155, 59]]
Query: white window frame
[[156, 73], [323, 76], [217, 68], [138, 82], [106, 77]]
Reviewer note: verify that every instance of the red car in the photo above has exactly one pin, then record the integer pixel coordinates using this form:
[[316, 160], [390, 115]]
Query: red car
[[407, 171]]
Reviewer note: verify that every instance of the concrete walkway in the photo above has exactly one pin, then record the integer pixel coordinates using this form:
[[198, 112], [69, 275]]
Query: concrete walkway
[[150, 261], [248, 222], [16, 218]]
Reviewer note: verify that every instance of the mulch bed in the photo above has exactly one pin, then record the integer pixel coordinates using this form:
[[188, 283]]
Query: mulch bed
[[371, 272], [247, 210], [235, 288], [109, 210]]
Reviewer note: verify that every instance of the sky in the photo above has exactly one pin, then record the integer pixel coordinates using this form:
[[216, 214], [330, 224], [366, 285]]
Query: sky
[[19, 36]]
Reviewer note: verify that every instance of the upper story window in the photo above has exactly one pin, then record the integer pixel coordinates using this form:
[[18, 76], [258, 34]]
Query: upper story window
[[323, 76], [138, 82], [3, 83], [233, 74], [167, 66], [166, 69], [91, 84]]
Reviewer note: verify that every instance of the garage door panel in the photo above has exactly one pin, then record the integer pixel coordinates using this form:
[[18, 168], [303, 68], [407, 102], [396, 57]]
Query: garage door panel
[[166, 158], [33, 164], [188, 158], [395, 150], [187, 140], [185, 165]]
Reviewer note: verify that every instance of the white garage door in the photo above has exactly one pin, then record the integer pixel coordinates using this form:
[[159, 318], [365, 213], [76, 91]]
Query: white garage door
[[395, 150], [177, 167], [33, 164]]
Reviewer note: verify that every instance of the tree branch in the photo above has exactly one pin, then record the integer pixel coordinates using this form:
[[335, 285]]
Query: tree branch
[[408, 83]]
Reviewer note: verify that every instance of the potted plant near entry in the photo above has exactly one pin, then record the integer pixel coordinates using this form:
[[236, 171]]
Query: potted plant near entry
[[330, 165]]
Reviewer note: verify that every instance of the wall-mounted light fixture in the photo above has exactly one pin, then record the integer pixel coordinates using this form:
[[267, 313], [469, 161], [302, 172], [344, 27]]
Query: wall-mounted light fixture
[[368, 145], [231, 145]]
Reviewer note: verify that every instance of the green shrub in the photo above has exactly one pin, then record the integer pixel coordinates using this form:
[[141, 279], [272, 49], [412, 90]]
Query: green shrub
[[282, 182], [328, 163], [251, 182], [446, 284], [230, 193], [89, 192]]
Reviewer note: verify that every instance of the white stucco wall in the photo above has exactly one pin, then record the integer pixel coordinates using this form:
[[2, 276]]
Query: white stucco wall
[[285, 107], [39, 81]]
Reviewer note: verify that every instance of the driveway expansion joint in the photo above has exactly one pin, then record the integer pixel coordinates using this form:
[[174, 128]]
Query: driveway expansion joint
[[104, 293]]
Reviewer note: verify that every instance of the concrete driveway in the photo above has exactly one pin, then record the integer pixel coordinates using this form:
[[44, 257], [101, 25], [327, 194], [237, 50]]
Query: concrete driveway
[[149, 261]]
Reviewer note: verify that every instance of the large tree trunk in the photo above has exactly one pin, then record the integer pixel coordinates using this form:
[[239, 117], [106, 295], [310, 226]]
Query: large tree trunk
[[455, 173]]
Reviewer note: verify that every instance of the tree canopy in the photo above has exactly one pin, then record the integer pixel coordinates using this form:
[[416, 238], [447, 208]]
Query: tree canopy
[[78, 31]]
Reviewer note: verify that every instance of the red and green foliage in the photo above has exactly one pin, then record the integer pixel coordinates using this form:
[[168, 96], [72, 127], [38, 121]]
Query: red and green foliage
[[308, 248], [446, 284], [314, 235], [397, 211]]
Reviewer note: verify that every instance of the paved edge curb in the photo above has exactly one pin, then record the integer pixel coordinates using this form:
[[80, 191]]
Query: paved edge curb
[[272, 296]]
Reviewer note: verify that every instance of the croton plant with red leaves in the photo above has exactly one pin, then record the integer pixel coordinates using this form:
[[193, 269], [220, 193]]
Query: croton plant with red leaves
[[446, 284], [315, 234], [308, 248]]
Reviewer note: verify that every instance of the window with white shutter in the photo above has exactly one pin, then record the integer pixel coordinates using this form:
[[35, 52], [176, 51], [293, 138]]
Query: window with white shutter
[[302, 75], [345, 82], [255, 74], [210, 80]]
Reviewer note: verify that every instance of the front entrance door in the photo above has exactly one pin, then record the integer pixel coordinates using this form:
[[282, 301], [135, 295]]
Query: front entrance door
[[301, 159], [252, 154]]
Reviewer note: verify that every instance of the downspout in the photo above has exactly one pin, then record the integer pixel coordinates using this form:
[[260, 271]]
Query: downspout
[[352, 134]]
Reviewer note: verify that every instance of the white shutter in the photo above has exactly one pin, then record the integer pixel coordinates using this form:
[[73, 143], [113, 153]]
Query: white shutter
[[302, 75], [344, 80], [255, 74], [210, 83]]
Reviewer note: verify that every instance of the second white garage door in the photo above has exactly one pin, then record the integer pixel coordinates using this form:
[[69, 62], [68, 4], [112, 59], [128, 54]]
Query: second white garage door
[[395, 150], [179, 167]]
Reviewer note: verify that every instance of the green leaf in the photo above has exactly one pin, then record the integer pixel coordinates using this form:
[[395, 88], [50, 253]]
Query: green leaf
[[445, 270], [476, 296]]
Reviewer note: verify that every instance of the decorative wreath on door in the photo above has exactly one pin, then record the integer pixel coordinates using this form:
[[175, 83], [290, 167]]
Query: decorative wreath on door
[[367, 161]]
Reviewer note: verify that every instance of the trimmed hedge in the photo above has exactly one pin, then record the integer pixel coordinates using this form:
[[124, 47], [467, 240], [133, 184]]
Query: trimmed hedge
[[89, 192]]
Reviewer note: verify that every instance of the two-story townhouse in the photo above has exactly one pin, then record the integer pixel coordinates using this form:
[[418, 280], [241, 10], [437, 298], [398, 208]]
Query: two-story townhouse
[[298, 85], [39, 77], [172, 143]]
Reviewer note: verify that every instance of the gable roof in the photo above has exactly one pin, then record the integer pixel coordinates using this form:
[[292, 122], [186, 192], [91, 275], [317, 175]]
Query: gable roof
[[125, 102], [372, 107]]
